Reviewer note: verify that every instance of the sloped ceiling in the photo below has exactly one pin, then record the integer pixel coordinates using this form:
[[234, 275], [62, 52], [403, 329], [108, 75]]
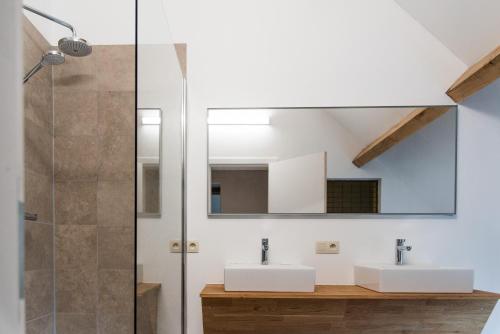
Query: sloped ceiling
[[468, 28], [367, 124]]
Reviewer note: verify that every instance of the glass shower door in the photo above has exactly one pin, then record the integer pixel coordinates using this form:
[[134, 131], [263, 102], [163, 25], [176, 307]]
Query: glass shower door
[[159, 175]]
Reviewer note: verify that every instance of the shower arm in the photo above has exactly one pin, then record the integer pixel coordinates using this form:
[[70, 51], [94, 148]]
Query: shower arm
[[32, 72], [51, 18]]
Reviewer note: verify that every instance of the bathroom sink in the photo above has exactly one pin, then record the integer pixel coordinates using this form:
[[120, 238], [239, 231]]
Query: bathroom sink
[[414, 278], [271, 277]]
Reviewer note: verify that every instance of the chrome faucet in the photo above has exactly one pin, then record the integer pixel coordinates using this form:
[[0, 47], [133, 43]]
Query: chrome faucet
[[264, 258], [400, 249]]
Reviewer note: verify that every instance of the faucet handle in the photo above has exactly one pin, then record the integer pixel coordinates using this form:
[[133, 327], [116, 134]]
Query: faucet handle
[[400, 241], [265, 242]]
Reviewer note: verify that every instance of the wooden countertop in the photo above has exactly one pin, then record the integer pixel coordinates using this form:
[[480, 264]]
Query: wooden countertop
[[340, 292], [143, 288]]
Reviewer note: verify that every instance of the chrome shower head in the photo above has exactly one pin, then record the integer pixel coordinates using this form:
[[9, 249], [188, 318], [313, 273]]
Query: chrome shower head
[[72, 46], [75, 46], [52, 57]]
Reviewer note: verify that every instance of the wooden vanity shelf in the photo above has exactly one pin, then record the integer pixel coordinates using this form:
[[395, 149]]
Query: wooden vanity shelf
[[147, 308], [344, 309]]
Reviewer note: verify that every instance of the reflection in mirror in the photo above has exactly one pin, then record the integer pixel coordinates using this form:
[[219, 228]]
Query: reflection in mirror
[[148, 162], [380, 160]]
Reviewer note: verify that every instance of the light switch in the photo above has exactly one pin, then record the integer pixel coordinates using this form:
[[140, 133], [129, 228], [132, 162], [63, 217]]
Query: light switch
[[175, 246], [193, 246], [327, 247]]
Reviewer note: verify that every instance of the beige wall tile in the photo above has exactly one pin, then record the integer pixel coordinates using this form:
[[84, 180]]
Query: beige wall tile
[[116, 158], [38, 97], [115, 203], [76, 291], [94, 157], [70, 323], [76, 202], [115, 65], [38, 246], [76, 158], [37, 148], [38, 90], [76, 247], [38, 195], [75, 112], [116, 292], [116, 113], [115, 247], [116, 324], [35, 37], [42, 325], [38, 163], [38, 289], [32, 52], [76, 73]]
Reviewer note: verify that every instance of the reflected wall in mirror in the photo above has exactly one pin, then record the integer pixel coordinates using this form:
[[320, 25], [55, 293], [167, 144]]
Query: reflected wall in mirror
[[148, 162], [368, 160]]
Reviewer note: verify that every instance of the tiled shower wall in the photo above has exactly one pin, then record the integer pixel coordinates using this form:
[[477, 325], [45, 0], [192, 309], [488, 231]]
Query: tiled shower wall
[[94, 154], [38, 176], [80, 116]]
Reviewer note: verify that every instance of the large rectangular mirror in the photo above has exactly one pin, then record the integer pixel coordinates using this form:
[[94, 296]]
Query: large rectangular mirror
[[148, 162], [320, 161]]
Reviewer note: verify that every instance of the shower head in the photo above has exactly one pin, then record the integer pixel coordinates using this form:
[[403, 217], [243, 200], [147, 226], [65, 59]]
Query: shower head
[[72, 46], [52, 57], [75, 46]]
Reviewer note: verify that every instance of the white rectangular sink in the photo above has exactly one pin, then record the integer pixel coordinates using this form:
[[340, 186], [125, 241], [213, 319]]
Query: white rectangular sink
[[271, 277], [414, 278]]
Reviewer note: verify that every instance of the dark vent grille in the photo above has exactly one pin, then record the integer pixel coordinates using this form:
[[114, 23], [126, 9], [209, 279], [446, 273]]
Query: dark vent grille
[[353, 196]]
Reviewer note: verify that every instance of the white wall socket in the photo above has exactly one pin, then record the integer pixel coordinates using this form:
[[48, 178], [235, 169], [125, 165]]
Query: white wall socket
[[175, 246], [327, 247], [193, 246]]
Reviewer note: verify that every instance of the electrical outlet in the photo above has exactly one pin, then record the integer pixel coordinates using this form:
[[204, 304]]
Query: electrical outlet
[[327, 247], [175, 246], [193, 246]]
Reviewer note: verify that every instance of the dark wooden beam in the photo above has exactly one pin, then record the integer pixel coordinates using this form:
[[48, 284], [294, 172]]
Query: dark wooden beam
[[478, 76], [413, 122]]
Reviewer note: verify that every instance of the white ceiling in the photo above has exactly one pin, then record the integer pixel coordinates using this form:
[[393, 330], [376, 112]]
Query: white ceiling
[[469, 28]]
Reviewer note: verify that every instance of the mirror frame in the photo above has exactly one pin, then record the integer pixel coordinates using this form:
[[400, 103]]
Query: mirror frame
[[446, 215], [160, 166]]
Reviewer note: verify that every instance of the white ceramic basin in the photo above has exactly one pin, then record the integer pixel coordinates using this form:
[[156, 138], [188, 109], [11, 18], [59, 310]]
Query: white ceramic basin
[[271, 277], [414, 278]]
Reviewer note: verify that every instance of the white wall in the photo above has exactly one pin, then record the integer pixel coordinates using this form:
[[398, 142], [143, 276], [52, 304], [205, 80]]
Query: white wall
[[417, 175], [329, 53], [11, 167], [479, 179]]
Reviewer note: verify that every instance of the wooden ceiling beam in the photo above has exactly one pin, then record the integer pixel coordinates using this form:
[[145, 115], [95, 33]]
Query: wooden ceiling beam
[[413, 122], [478, 76]]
